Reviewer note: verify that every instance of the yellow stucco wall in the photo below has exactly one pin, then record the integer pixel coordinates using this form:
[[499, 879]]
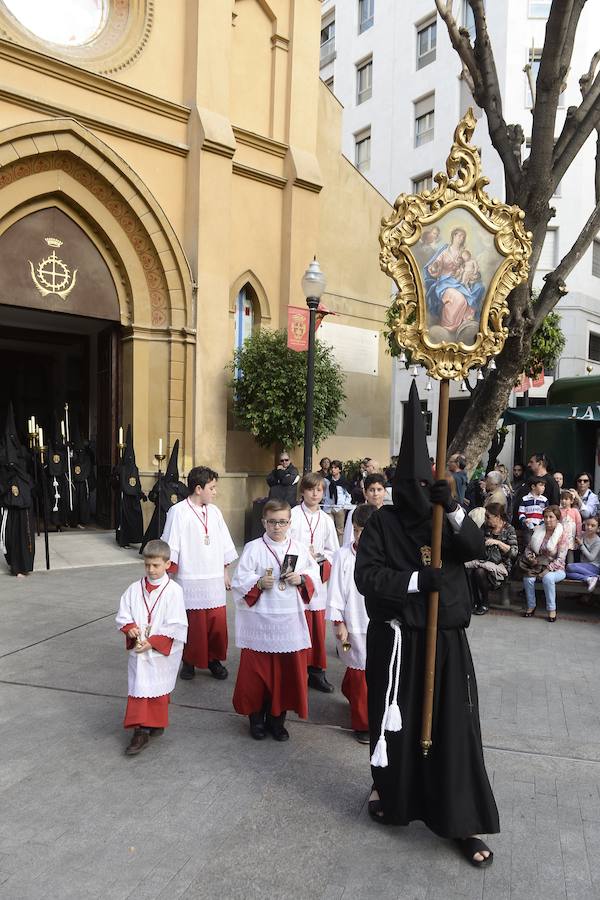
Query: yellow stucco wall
[[224, 149]]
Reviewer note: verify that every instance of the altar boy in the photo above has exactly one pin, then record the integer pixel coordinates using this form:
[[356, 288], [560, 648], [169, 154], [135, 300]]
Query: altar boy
[[315, 530], [346, 609], [152, 618], [274, 581], [202, 549]]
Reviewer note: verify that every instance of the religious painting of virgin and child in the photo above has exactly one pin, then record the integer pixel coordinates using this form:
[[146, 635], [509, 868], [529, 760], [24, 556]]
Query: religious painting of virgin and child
[[458, 261]]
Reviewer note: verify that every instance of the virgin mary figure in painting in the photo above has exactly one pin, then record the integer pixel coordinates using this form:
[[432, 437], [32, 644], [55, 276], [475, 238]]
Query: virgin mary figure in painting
[[454, 290]]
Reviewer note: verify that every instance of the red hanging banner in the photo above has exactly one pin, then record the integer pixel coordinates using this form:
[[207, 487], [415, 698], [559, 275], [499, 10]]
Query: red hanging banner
[[298, 321]]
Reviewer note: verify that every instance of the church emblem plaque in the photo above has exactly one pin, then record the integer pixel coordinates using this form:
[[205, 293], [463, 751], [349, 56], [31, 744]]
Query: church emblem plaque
[[132, 482], [455, 255], [52, 275], [173, 499], [14, 490], [55, 458]]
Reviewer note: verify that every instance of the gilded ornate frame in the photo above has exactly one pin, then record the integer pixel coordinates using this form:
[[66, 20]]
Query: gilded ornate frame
[[460, 187]]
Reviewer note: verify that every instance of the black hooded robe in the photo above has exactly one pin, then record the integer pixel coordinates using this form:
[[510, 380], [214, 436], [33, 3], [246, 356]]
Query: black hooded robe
[[130, 523], [16, 503], [171, 492], [449, 790]]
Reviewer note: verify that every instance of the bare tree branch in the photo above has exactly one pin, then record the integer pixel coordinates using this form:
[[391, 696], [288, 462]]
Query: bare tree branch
[[554, 282]]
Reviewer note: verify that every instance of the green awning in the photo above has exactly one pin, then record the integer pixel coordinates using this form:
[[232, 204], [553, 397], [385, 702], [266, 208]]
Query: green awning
[[575, 412]]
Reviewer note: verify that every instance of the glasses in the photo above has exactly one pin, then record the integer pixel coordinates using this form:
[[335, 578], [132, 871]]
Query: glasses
[[284, 459], [280, 522], [584, 480]]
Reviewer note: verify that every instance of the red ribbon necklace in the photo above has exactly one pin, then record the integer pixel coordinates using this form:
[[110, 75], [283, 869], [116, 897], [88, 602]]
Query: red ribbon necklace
[[151, 610], [202, 518], [312, 530], [274, 555]]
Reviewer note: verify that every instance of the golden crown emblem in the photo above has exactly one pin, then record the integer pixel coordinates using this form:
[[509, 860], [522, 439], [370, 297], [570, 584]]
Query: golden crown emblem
[[53, 242], [52, 275]]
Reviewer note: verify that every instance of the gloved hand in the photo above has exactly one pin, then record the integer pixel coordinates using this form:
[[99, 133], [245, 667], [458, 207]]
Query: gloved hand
[[429, 580], [440, 493]]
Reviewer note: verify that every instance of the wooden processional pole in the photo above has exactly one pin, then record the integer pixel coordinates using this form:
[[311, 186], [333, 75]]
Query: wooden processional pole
[[436, 563]]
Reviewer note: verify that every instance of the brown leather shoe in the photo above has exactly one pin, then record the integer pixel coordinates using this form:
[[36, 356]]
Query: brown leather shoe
[[139, 742]]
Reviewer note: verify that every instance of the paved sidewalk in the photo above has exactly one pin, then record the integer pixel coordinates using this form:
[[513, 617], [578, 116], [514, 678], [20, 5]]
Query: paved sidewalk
[[208, 813]]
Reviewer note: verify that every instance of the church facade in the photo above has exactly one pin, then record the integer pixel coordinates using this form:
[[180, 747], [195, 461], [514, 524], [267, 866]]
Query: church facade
[[167, 172]]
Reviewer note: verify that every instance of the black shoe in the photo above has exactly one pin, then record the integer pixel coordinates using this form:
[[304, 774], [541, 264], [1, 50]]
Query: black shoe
[[480, 610], [218, 670], [275, 724], [257, 726], [317, 680], [156, 732], [362, 737], [187, 671]]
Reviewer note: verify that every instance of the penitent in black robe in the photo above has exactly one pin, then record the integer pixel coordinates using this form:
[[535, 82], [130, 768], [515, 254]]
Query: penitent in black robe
[[449, 790]]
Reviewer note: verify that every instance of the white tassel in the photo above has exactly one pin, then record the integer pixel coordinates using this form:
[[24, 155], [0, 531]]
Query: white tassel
[[380, 757], [393, 719]]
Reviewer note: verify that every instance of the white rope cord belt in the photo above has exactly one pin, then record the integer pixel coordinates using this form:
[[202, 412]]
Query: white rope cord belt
[[392, 717]]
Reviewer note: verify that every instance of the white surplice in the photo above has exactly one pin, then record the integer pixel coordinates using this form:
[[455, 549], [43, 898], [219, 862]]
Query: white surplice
[[152, 674], [276, 623], [201, 565], [346, 604], [317, 529]]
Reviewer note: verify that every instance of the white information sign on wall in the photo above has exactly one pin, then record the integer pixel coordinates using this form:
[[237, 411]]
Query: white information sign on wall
[[355, 349]]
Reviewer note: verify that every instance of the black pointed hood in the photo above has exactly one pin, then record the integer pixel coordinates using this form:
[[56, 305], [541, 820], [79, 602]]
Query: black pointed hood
[[172, 473], [130, 475], [413, 468]]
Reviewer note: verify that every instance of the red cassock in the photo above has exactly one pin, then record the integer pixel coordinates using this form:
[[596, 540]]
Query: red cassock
[[148, 712], [207, 636], [354, 689], [317, 655]]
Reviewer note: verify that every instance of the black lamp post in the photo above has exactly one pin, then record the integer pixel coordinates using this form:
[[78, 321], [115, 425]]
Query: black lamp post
[[313, 285]]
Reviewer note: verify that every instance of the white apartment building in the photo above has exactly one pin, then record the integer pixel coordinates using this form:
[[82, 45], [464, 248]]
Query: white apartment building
[[391, 65]]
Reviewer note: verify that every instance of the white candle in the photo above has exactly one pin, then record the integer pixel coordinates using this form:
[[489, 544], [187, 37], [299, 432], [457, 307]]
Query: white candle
[[160, 446], [41, 437], [62, 427], [29, 428], [121, 434], [33, 423]]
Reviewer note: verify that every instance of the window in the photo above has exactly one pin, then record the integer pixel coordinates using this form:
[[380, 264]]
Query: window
[[533, 58], [364, 81], [539, 9], [468, 19], [594, 347], [548, 256], [244, 317], [426, 43], [362, 155], [63, 21], [366, 8], [422, 182], [327, 41], [424, 120], [596, 258]]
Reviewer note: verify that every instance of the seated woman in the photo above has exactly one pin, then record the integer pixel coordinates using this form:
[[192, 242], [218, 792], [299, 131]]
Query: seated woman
[[571, 523], [589, 567], [545, 558], [501, 550]]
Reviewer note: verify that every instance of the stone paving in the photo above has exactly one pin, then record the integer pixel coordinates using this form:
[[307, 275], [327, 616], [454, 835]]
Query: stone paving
[[208, 813]]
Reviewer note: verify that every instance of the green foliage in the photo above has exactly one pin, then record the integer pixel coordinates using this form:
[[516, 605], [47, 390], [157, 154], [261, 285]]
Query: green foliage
[[547, 344], [388, 333], [351, 470], [269, 397]]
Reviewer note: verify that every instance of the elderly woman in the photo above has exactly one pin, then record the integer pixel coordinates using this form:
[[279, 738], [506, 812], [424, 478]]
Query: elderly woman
[[501, 550], [544, 558], [496, 491]]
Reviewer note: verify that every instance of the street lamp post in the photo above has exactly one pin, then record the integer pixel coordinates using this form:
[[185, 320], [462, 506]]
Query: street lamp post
[[313, 285]]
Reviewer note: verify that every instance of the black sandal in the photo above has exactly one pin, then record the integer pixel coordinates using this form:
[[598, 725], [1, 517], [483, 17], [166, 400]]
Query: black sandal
[[528, 613], [472, 845], [376, 810]]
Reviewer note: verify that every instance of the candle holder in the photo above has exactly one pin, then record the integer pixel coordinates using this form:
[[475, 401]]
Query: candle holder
[[158, 458], [40, 449], [120, 448]]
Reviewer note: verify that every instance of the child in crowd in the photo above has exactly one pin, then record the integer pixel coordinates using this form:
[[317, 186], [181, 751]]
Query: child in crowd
[[316, 532], [201, 550], [273, 583], [346, 609], [152, 618], [375, 494], [532, 506], [570, 521], [589, 567], [337, 498]]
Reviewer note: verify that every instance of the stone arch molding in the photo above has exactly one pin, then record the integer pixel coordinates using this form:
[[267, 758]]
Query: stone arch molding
[[61, 158], [248, 277]]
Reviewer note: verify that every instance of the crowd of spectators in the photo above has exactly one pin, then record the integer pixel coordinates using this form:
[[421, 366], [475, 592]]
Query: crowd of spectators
[[530, 517]]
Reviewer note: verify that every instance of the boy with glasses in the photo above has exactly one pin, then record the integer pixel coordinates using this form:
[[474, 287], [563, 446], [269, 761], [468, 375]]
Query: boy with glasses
[[588, 499], [273, 584]]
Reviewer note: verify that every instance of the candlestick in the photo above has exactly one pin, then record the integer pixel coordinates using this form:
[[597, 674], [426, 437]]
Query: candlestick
[[160, 446], [62, 428], [33, 423], [40, 437], [120, 434]]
